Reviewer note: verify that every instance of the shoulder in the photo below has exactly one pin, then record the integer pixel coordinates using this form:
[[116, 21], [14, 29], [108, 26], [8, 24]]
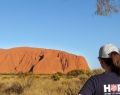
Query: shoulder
[[95, 78], [93, 81], [99, 76], [91, 85], [105, 75]]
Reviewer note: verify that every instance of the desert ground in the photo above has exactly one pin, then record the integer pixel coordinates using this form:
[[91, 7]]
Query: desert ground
[[47, 84]]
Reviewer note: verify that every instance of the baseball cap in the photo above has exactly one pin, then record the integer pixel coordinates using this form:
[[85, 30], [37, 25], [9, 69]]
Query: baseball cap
[[105, 50]]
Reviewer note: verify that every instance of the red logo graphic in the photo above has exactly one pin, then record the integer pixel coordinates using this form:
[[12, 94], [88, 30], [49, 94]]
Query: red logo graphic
[[114, 87]]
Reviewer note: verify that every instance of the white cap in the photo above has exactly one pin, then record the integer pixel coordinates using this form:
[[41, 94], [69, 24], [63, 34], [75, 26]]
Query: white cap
[[105, 50]]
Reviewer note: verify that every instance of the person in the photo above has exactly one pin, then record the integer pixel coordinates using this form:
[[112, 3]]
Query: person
[[107, 83]]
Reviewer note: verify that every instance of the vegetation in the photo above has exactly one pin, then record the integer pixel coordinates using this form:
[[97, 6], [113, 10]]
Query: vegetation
[[75, 73], [56, 84], [55, 77], [106, 7]]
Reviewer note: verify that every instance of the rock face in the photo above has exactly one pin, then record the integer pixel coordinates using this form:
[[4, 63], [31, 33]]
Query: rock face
[[39, 61]]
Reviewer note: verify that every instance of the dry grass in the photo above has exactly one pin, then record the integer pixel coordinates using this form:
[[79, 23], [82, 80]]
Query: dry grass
[[29, 84]]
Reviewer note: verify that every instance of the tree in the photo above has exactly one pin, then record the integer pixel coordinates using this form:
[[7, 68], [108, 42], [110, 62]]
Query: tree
[[106, 7]]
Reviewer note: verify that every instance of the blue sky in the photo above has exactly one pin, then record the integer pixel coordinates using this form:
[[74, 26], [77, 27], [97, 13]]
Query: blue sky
[[68, 25]]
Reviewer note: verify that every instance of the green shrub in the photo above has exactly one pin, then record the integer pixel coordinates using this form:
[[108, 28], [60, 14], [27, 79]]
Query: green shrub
[[75, 73], [59, 74], [55, 77]]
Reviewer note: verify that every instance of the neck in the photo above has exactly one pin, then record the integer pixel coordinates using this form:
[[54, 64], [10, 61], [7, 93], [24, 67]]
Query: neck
[[107, 69]]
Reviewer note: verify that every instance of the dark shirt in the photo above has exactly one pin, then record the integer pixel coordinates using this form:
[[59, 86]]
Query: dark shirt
[[107, 83]]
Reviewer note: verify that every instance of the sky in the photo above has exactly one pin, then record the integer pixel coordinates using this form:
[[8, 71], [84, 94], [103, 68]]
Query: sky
[[68, 25]]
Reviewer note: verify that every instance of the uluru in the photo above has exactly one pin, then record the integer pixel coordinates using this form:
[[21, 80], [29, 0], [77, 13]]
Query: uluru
[[39, 61]]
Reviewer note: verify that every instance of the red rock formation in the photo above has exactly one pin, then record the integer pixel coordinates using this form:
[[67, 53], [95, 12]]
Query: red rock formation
[[39, 61]]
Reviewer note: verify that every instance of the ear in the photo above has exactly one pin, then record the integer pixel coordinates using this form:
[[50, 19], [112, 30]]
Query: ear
[[102, 63]]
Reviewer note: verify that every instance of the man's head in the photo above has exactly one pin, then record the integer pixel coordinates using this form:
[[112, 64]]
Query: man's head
[[107, 49], [105, 55]]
